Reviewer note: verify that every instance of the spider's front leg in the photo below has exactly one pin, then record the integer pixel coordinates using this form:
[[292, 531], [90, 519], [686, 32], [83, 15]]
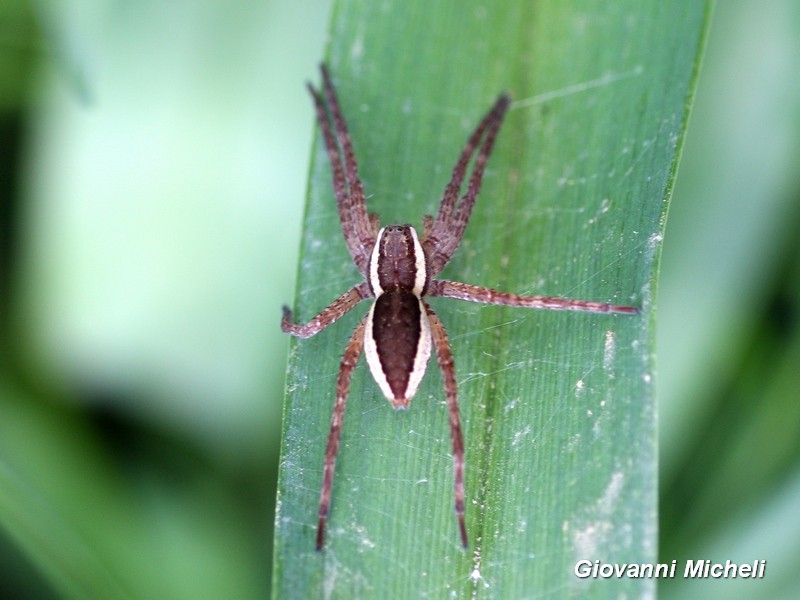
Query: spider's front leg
[[443, 235], [329, 315], [357, 226]]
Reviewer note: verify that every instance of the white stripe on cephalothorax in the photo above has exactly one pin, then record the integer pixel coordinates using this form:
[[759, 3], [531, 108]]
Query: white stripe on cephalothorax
[[374, 280], [421, 269]]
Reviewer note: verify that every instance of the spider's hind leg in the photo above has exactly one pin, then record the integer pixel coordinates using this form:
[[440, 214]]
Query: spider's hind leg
[[349, 362], [444, 355]]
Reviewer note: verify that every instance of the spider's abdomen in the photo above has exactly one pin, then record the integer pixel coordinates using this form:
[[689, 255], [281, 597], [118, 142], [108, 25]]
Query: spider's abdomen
[[398, 262], [397, 343]]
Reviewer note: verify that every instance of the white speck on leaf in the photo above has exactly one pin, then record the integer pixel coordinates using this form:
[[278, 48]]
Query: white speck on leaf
[[592, 533], [609, 353]]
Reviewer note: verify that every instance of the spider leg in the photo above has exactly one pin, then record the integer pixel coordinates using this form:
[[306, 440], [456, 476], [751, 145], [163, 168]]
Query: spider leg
[[451, 221], [375, 223], [348, 216], [349, 361], [330, 314], [484, 295], [445, 357], [427, 225], [459, 171], [356, 223], [340, 190]]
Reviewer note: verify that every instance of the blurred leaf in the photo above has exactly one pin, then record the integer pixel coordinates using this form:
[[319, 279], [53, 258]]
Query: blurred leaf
[[728, 328], [99, 528], [558, 408], [734, 214], [20, 46], [135, 446], [34, 521]]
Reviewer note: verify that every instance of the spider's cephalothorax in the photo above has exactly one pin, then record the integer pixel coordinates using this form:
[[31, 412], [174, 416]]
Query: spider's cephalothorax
[[399, 269]]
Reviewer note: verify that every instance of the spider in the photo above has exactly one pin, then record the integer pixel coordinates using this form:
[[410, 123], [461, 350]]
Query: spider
[[399, 268]]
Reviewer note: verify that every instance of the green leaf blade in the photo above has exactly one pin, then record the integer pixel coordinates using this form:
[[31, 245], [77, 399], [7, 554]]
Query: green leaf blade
[[557, 408]]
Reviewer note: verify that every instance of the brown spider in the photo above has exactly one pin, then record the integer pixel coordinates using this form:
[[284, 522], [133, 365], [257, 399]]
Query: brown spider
[[399, 269]]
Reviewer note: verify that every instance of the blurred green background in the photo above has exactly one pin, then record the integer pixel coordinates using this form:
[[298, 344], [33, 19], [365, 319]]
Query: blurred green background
[[153, 159]]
